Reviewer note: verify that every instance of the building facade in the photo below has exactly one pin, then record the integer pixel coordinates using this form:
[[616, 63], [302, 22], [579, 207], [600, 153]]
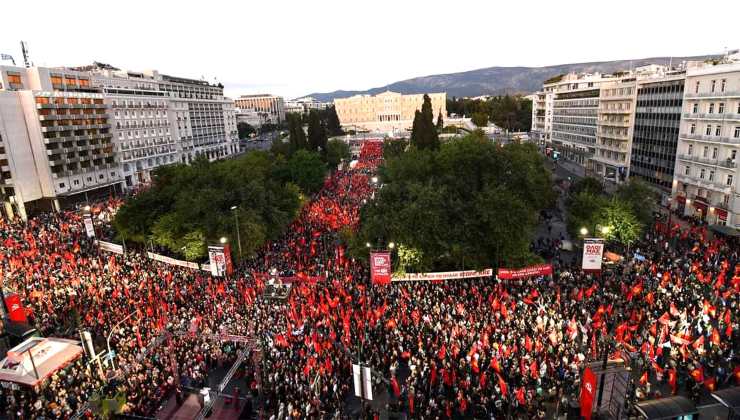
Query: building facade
[[656, 127], [706, 168], [386, 112], [68, 135], [611, 155], [270, 107], [305, 105]]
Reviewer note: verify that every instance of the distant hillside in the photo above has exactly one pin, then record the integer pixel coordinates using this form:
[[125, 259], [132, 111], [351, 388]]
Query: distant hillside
[[500, 80]]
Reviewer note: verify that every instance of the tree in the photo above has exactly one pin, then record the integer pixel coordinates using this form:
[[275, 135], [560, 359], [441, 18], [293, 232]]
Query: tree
[[587, 184], [624, 227], [307, 170], [296, 134], [393, 147], [316, 132], [640, 198], [423, 133], [332, 122], [467, 204], [245, 130], [585, 210], [440, 122], [336, 150], [479, 119]]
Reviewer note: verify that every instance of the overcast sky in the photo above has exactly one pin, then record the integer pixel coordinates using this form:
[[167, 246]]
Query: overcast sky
[[297, 47]]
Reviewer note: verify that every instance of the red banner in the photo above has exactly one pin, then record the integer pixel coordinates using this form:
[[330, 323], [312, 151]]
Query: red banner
[[588, 389], [16, 312], [531, 271], [380, 267]]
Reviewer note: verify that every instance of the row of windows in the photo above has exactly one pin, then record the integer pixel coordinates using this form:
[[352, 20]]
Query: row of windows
[[715, 130], [714, 86], [695, 108], [708, 174], [659, 103], [663, 88], [731, 155]]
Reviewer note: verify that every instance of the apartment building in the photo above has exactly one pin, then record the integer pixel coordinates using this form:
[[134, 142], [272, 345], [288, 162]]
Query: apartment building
[[387, 111], [616, 111], [270, 107], [305, 105], [656, 127], [542, 116], [706, 169]]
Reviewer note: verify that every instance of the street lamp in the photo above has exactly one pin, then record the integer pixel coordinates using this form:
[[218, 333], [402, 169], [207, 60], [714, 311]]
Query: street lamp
[[605, 230], [223, 240], [391, 245], [367, 244], [584, 231], [238, 234], [374, 179], [87, 208], [107, 341]]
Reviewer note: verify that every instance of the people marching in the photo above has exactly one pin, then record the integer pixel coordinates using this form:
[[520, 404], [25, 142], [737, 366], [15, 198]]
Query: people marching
[[483, 348]]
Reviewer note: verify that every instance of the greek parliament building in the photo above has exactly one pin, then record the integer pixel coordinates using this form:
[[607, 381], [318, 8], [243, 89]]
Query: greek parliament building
[[70, 134], [386, 112]]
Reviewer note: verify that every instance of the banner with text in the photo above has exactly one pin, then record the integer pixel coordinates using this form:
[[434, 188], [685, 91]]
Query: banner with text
[[110, 247], [380, 267], [172, 261], [217, 260], [89, 227], [593, 251], [444, 275], [522, 273]]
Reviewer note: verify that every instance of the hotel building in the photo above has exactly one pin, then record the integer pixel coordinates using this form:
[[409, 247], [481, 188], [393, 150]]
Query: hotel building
[[387, 111]]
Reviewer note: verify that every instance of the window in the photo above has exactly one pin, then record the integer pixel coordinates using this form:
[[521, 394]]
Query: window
[[718, 131], [696, 89], [729, 179], [692, 130], [709, 130], [687, 170], [705, 151], [691, 149], [714, 84], [721, 108], [722, 85], [714, 153], [711, 108], [711, 175], [702, 173], [737, 132], [61, 185], [695, 109]]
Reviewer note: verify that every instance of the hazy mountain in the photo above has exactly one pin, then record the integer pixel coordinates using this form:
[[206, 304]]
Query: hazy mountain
[[500, 80]]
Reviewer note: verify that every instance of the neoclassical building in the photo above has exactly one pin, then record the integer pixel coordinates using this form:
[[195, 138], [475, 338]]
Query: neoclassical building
[[387, 111]]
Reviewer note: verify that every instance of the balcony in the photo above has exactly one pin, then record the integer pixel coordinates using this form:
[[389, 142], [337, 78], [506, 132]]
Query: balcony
[[725, 116], [713, 139], [624, 124], [728, 94], [704, 183], [614, 111], [725, 163]]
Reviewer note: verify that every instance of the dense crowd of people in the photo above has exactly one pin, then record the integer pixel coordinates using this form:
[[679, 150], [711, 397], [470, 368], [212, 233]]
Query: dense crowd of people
[[482, 348]]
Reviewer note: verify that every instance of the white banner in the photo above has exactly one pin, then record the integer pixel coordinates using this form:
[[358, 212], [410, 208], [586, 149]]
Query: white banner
[[89, 228], [357, 379], [217, 260], [110, 247], [172, 261], [593, 250], [444, 275]]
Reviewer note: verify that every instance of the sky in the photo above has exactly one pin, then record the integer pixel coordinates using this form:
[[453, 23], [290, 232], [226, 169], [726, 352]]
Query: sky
[[293, 48]]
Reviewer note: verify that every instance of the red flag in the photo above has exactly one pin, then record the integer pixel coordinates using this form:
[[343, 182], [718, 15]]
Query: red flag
[[588, 389], [698, 374], [396, 388], [715, 337], [672, 377], [528, 344], [711, 384], [520, 396], [644, 378], [502, 385]]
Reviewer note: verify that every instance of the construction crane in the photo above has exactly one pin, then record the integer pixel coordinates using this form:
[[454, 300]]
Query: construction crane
[[26, 60]]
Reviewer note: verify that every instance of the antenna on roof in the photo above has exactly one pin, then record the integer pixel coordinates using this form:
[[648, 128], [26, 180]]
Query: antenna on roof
[[24, 49]]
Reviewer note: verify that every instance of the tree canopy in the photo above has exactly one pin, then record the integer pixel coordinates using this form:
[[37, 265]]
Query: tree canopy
[[468, 204], [423, 132], [316, 132], [188, 207], [513, 113]]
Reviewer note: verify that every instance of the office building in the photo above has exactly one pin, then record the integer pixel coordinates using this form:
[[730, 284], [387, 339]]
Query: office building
[[387, 111], [706, 168], [304, 105], [656, 127], [270, 107], [611, 152]]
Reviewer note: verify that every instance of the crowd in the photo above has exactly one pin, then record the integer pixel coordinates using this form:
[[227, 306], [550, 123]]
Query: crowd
[[458, 349]]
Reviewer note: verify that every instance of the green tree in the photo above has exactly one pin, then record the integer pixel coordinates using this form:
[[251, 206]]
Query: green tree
[[307, 170], [640, 198], [587, 184], [393, 147], [423, 132], [296, 134], [479, 119], [440, 122], [316, 132], [584, 211], [333, 125], [624, 227], [245, 130], [336, 150]]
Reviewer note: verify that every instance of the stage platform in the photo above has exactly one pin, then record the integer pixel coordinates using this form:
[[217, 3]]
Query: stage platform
[[190, 409]]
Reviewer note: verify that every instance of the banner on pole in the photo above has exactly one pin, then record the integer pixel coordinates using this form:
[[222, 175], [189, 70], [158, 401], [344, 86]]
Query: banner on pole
[[16, 312], [593, 250], [171, 261], [444, 275], [217, 260], [110, 247], [588, 388], [521, 273], [89, 227], [380, 267]]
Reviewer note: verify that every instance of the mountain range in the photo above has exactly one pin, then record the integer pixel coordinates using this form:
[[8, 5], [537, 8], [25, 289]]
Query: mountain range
[[500, 80]]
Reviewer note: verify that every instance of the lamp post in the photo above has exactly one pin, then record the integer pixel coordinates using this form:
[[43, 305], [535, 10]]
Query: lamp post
[[107, 340], [223, 240], [238, 235]]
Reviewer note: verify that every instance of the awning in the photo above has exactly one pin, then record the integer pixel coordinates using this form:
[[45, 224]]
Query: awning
[[725, 230], [36, 359], [666, 408], [729, 397]]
